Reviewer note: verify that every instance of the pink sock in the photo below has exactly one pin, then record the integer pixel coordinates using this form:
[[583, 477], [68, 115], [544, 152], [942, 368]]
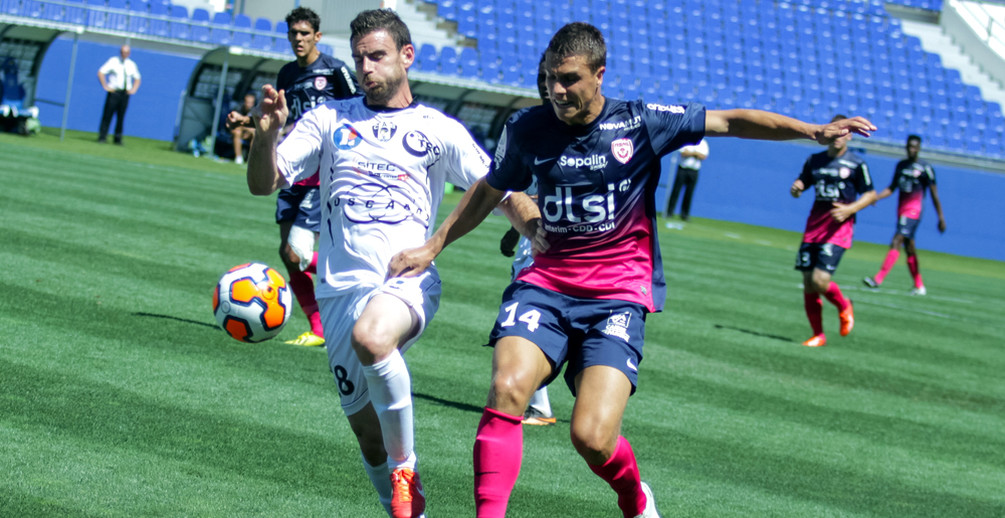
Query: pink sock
[[814, 310], [912, 265], [834, 295], [891, 259], [497, 457], [622, 473], [303, 288]]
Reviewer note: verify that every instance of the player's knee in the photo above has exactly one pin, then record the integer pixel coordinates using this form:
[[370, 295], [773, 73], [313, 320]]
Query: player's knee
[[509, 392], [370, 342], [594, 443]]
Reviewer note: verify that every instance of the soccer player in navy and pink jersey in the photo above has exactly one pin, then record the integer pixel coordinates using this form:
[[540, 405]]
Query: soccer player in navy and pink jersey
[[912, 176], [842, 184], [598, 272], [309, 81]]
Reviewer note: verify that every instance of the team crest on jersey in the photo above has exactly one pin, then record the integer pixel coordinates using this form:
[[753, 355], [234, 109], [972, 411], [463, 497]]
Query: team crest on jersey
[[346, 137], [384, 130], [623, 149], [418, 144], [320, 82], [844, 173], [617, 325]]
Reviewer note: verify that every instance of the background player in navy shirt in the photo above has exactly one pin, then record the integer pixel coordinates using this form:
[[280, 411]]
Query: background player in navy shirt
[[912, 176], [313, 79], [598, 271], [837, 176]]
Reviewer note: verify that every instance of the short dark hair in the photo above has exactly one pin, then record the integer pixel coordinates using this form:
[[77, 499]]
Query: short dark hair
[[580, 39], [839, 117], [304, 14], [914, 137], [542, 85], [380, 19]]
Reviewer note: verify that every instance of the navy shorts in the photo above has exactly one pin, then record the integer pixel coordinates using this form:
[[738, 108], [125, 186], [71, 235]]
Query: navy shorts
[[907, 226], [300, 204], [822, 256], [578, 331]]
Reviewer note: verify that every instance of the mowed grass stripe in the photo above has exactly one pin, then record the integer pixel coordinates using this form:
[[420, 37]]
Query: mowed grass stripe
[[147, 409]]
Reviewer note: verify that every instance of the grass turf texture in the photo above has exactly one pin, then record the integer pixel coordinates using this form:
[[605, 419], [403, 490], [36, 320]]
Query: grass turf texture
[[120, 397]]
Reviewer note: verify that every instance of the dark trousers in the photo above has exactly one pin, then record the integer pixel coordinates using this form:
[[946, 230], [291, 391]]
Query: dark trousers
[[115, 104], [686, 179]]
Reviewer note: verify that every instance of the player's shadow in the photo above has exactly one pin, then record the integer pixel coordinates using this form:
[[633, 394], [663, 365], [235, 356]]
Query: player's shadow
[[169, 317], [452, 404], [755, 333]]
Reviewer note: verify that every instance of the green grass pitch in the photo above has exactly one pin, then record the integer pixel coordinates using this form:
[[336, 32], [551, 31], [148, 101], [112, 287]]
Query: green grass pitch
[[120, 397]]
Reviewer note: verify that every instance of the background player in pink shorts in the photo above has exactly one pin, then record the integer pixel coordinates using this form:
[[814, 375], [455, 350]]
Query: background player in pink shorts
[[912, 176]]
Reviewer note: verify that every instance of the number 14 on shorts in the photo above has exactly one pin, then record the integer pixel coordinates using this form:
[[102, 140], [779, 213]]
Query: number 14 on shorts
[[529, 317]]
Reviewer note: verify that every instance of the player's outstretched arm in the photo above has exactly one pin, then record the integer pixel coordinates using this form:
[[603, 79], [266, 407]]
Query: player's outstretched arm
[[764, 125], [885, 193], [476, 203], [270, 116]]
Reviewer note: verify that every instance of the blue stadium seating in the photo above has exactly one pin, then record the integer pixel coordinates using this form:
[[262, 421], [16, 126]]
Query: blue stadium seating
[[789, 56]]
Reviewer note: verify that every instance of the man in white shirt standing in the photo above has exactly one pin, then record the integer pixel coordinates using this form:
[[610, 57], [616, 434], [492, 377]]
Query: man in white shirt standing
[[119, 77], [687, 178]]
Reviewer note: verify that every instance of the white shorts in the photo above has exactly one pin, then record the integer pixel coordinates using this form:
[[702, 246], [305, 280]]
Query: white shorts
[[339, 315]]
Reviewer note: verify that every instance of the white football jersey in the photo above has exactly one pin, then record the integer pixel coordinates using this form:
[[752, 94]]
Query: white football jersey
[[382, 176]]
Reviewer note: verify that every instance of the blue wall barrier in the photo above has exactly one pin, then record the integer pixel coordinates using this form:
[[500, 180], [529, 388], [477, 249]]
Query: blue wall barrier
[[748, 182], [742, 180], [152, 111]]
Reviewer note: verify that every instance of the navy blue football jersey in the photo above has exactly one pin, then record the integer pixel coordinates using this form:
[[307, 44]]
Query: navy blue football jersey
[[325, 79], [596, 191]]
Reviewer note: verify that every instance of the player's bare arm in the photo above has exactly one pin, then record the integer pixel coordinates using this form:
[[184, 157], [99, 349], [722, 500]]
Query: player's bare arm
[[476, 203], [885, 193], [764, 125], [843, 211], [270, 116], [938, 207]]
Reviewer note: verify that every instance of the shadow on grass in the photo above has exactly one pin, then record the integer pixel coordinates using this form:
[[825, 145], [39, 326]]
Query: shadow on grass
[[464, 407], [176, 319], [756, 333]]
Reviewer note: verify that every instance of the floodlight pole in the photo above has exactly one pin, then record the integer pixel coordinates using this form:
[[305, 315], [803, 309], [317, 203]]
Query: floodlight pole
[[219, 103], [69, 82]]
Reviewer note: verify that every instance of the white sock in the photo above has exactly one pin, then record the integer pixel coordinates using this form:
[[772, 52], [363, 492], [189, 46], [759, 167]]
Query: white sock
[[390, 388], [380, 477], [540, 402]]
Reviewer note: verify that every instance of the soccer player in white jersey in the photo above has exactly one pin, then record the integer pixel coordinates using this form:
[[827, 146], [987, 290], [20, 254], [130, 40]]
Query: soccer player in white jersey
[[598, 272], [383, 163]]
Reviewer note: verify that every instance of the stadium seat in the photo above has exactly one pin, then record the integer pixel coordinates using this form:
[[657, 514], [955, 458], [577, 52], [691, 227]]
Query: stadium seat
[[468, 60], [179, 25], [200, 30], [447, 61], [159, 25], [426, 58], [263, 24]]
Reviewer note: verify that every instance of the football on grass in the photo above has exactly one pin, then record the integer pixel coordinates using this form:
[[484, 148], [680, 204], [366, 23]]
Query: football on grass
[[252, 302]]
